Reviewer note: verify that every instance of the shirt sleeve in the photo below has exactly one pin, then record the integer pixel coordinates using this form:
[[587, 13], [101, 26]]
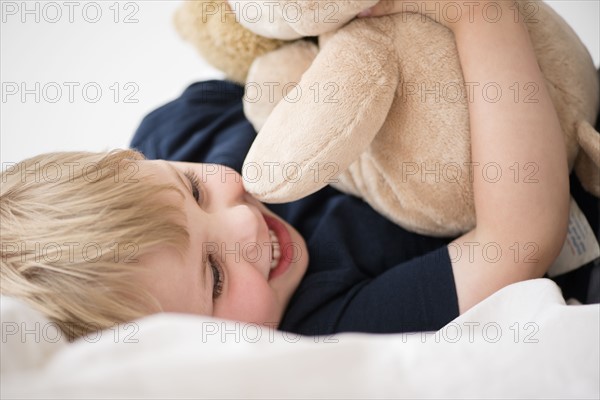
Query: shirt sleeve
[[420, 295], [416, 295]]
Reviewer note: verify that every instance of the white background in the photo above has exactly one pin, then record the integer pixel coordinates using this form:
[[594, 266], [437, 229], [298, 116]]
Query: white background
[[143, 61]]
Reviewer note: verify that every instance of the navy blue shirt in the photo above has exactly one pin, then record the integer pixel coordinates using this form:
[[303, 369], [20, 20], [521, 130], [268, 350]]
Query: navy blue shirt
[[365, 273]]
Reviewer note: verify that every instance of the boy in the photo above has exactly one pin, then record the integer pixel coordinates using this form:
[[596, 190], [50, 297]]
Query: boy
[[202, 245]]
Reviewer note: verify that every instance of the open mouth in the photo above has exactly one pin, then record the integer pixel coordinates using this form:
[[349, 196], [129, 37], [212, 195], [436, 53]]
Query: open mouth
[[281, 248], [275, 249]]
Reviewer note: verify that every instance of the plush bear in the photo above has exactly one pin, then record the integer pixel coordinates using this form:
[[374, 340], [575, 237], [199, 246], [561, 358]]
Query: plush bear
[[379, 109]]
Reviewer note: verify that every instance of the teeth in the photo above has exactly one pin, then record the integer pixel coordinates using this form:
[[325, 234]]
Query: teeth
[[275, 249]]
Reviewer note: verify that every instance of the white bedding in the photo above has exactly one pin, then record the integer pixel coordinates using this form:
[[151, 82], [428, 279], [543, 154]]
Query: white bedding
[[553, 352]]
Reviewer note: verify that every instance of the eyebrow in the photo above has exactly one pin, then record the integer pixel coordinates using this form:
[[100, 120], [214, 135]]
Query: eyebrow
[[187, 185]]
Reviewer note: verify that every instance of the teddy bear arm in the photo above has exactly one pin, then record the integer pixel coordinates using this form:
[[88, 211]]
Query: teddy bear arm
[[325, 123], [272, 75]]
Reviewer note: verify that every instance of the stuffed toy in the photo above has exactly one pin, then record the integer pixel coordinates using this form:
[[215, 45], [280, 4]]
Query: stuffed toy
[[379, 109]]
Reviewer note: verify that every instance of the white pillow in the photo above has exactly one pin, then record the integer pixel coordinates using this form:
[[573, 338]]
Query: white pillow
[[525, 342], [28, 338]]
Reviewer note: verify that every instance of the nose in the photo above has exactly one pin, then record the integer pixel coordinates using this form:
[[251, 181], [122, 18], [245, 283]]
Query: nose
[[230, 188]]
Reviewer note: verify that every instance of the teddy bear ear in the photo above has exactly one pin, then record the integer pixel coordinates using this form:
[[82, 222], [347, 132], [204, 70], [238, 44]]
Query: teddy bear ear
[[211, 27], [183, 21]]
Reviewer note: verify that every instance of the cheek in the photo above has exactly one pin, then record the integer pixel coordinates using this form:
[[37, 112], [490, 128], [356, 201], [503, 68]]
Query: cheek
[[247, 297]]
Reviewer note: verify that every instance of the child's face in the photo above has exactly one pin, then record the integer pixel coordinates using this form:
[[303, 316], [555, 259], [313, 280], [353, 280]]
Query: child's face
[[226, 273]]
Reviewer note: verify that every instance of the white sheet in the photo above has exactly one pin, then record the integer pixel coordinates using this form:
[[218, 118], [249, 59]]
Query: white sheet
[[556, 356]]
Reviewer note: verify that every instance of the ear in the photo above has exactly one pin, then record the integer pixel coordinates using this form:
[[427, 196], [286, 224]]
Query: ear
[[328, 120], [183, 20], [587, 165]]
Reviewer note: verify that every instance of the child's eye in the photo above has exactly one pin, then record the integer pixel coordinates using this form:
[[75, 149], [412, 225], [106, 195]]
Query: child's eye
[[218, 277], [196, 188]]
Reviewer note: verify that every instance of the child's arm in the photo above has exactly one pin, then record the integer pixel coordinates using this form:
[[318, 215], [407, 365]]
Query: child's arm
[[525, 220]]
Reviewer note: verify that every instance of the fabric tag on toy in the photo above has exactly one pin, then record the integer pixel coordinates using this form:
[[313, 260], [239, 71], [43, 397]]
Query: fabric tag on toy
[[581, 245]]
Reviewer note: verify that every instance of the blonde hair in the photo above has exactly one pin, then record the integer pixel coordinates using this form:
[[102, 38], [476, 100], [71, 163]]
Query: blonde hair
[[74, 226]]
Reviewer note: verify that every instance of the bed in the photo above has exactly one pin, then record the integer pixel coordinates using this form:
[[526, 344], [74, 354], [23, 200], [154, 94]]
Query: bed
[[523, 341]]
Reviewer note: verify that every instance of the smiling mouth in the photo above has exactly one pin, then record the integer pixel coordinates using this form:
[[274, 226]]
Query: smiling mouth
[[281, 247], [275, 249]]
